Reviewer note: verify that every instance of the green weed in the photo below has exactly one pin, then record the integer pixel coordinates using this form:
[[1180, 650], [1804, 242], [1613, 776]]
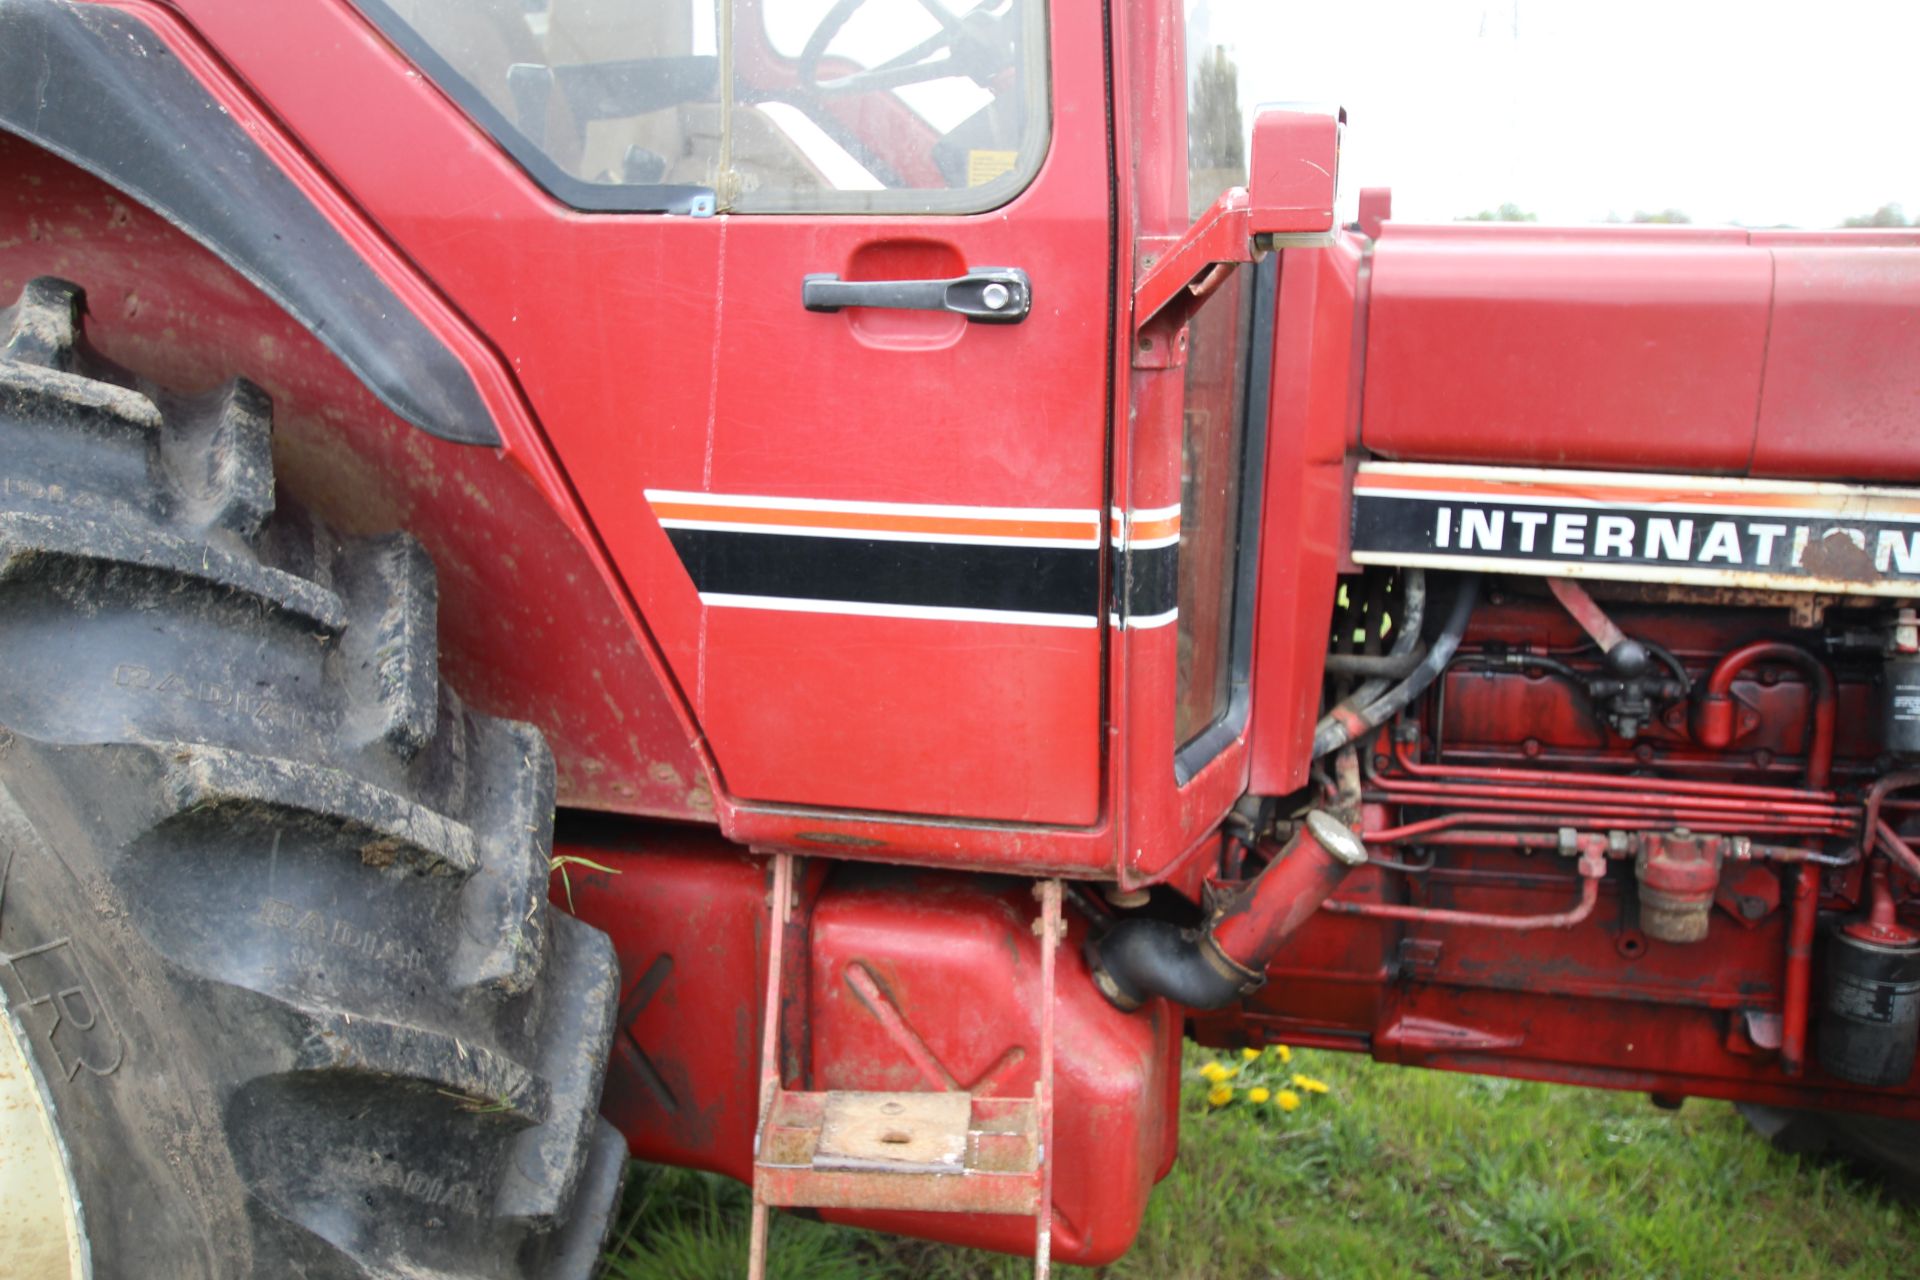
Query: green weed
[[561, 861], [1392, 1172]]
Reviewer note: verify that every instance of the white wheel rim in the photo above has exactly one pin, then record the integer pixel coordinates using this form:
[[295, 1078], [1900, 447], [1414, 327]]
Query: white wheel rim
[[39, 1211]]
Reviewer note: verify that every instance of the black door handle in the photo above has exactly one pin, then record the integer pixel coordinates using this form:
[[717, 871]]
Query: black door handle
[[986, 295]]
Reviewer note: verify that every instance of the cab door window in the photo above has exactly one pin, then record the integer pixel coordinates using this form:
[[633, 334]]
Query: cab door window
[[772, 106], [1213, 433]]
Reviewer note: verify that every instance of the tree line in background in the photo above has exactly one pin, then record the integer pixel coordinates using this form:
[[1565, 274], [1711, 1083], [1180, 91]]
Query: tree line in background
[[1887, 215], [1217, 158]]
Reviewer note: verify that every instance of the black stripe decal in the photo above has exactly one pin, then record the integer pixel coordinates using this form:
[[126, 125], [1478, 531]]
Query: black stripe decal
[[1152, 578], [1050, 580]]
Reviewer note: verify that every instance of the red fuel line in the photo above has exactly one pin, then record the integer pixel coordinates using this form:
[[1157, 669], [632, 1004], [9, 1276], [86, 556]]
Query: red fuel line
[[1592, 867]]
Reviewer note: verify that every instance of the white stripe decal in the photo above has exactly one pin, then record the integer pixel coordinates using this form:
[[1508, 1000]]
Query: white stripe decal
[[1157, 513], [790, 605], [882, 535], [1061, 515]]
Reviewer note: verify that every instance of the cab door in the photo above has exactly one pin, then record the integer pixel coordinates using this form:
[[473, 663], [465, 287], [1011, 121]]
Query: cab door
[[812, 301], [893, 519]]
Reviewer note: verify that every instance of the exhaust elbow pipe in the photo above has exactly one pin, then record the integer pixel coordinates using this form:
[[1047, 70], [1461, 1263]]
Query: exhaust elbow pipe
[[1225, 958]]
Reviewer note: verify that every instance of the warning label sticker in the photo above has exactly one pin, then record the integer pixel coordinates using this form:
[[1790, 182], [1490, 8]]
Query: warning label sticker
[[984, 166]]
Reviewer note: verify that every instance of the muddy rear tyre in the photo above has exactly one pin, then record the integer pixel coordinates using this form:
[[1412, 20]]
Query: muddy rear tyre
[[273, 915]]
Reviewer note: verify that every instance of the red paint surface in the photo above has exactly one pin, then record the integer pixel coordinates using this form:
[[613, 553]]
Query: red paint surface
[[1629, 348], [1647, 348], [1303, 528], [689, 365], [692, 366], [1843, 363], [1162, 829], [1298, 878], [624, 352], [1717, 697], [897, 981], [1294, 167], [1801, 922], [561, 656]]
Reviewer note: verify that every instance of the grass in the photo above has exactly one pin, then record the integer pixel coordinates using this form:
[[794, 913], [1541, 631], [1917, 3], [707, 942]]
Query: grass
[[1392, 1172]]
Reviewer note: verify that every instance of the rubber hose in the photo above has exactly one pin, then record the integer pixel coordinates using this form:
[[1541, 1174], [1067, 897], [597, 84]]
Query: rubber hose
[[1335, 732], [1138, 959], [1406, 641]]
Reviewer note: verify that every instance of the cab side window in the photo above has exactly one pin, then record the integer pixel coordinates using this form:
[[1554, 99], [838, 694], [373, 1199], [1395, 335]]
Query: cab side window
[[773, 106]]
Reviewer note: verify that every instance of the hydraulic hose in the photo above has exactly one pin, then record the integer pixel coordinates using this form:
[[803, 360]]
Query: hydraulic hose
[[1401, 657], [1390, 665], [1344, 723]]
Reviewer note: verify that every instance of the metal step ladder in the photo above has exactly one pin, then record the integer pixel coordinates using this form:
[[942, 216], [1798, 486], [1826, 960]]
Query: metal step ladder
[[941, 1152]]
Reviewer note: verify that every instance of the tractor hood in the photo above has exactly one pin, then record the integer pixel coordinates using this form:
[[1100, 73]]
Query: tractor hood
[[1698, 350]]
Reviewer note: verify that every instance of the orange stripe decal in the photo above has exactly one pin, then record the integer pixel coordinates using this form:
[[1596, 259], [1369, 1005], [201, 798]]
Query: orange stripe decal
[[1063, 529], [1166, 527]]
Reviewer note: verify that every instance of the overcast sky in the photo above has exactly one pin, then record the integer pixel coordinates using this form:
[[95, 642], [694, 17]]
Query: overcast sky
[[1759, 113]]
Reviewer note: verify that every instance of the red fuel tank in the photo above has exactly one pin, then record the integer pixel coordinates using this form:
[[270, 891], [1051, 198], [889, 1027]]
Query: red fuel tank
[[907, 980]]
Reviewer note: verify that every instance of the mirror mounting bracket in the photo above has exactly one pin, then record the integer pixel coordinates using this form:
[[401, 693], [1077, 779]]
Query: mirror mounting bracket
[[1288, 202]]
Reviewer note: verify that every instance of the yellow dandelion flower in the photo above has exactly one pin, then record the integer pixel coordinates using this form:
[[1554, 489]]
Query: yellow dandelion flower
[[1220, 1095], [1251, 1055], [1288, 1099], [1307, 1084], [1257, 1094], [1214, 1071], [1283, 1053]]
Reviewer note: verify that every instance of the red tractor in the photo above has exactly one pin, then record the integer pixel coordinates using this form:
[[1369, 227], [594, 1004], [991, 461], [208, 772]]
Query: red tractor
[[990, 585]]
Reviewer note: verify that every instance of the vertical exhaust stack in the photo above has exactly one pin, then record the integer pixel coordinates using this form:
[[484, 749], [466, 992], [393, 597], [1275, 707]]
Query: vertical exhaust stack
[[1214, 964]]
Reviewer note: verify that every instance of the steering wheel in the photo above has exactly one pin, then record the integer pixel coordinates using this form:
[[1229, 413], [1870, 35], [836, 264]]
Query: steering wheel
[[974, 47]]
